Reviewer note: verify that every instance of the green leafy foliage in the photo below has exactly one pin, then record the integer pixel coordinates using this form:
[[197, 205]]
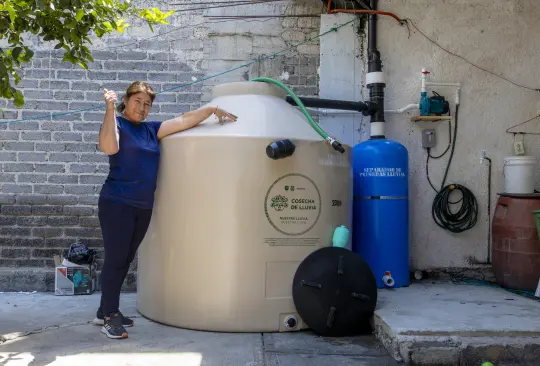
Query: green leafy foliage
[[69, 23]]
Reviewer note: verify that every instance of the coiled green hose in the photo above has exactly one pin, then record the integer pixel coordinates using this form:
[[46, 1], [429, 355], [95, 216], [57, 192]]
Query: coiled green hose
[[335, 144]]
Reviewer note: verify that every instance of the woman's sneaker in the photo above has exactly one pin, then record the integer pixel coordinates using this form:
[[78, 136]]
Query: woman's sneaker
[[100, 319], [113, 327]]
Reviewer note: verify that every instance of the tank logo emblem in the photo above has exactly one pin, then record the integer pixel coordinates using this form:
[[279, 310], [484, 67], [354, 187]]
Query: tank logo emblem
[[293, 204], [279, 203]]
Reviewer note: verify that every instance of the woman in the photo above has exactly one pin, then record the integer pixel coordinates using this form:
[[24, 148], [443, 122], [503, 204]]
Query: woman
[[127, 196]]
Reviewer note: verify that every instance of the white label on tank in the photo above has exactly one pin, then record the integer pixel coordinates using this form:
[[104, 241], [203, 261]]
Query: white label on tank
[[295, 242], [334, 160], [382, 172], [293, 204]]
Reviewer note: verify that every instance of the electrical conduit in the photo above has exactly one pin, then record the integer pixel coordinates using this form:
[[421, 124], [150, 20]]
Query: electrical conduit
[[335, 144]]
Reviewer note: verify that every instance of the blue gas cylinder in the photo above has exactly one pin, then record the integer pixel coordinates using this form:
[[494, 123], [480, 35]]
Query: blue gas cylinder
[[380, 232]]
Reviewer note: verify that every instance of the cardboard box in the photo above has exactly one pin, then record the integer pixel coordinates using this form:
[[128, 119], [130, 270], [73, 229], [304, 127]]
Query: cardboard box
[[75, 280]]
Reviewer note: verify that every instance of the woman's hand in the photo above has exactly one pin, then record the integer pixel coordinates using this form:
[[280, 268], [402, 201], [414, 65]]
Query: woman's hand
[[223, 115], [110, 98], [109, 139], [193, 118]]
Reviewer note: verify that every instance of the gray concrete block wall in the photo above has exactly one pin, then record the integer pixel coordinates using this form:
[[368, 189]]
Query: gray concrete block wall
[[51, 168]]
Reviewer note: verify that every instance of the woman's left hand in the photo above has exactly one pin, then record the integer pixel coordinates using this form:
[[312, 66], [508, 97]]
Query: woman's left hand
[[223, 116]]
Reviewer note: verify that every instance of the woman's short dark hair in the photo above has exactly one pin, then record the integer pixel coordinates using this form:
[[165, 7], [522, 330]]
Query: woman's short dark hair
[[135, 88]]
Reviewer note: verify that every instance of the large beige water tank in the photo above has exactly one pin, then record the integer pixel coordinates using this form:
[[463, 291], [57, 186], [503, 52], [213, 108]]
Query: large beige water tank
[[230, 225]]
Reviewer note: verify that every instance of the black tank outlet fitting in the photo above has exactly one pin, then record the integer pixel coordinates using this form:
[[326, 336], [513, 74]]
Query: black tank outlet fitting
[[280, 149]]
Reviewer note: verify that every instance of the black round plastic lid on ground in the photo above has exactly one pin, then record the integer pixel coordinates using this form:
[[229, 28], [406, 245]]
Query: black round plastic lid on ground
[[334, 291]]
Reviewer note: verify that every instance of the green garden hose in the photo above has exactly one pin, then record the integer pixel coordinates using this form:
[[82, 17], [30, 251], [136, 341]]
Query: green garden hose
[[335, 144]]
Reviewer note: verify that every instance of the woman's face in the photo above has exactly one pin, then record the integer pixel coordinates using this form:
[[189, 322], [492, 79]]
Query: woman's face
[[137, 107]]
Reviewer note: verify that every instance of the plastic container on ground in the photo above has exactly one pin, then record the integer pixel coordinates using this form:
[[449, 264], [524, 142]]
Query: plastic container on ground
[[381, 210], [536, 215], [230, 225], [516, 245], [341, 237], [519, 174]]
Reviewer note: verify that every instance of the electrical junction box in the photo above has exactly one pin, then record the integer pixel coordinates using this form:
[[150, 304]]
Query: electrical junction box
[[428, 139], [519, 148]]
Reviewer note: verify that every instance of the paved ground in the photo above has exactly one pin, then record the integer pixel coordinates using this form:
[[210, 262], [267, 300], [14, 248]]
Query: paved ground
[[440, 323], [425, 324], [43, 329]]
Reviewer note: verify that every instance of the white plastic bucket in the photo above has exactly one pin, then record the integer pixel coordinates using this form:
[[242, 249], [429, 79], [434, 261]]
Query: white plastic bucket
[[519, 174]]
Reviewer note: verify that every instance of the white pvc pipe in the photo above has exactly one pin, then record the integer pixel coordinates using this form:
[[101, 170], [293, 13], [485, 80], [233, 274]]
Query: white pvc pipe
[[443, 84], [326, 112], [377, 128], [404, 109], [424, 80], [388, 280], [456, 85], [375, 78]]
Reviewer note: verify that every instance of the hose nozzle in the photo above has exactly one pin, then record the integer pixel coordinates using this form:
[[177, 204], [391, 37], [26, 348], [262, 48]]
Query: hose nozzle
[[336, 145]]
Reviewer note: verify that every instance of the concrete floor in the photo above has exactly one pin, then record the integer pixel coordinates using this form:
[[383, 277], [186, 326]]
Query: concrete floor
[[43, 329], [428, 323], [447, 324]]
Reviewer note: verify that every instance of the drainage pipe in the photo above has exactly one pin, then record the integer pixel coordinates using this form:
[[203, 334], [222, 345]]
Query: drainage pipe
[[375, 77], [342, 105]]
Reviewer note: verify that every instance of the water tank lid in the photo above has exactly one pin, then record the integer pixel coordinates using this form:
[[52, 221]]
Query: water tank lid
[[334, 292], [248, 88]]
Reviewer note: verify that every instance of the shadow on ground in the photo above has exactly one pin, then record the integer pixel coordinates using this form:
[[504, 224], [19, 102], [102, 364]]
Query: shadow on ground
[[45, 330]]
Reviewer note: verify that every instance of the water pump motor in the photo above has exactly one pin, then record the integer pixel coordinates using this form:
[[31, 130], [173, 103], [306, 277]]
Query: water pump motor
[[437, 105]]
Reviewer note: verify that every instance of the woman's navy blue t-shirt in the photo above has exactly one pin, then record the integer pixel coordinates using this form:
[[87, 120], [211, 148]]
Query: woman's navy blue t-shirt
[[134, 168]]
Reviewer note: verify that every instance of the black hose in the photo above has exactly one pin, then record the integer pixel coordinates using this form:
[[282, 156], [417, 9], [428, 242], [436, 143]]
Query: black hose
[[453, 146], [427, 171], [449, 142], [466, 217]]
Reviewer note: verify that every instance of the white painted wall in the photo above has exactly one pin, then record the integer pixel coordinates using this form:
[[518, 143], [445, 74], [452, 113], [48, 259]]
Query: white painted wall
[[341, 75], [498, 35]]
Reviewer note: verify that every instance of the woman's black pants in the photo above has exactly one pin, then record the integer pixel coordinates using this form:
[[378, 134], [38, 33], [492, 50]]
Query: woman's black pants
[[123, 228]]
